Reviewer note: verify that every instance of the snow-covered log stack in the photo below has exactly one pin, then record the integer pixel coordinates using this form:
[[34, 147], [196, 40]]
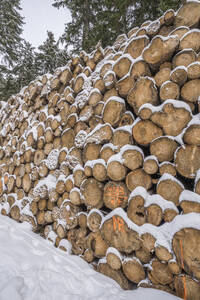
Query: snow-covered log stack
[[105, 154]]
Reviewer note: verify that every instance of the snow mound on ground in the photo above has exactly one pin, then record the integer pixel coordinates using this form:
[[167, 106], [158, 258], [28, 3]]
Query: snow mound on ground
[[31, 268]]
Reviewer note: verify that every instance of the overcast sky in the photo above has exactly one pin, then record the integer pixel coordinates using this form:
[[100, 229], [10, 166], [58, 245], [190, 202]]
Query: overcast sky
[[41, 16]]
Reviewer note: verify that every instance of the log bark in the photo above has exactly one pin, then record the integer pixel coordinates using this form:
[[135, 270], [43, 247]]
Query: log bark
[[190, 40], [172, 120], [115, 195], [115, 275], [191, 90], [136, 46], [136, 211], [160, 273], [133, 270], [162, 76], [188, 15], [192, 135], [187, 288], [94, 220], [124, 85], [186, 246], [184, 58], [179, 75], [113, 111], [169, 90], [169, 190], [163, 148], [132, 158], [138, 178], [115, 170], [144, 91], [122, 66], [92, 191], [187, 160], [150, 165], [120, 138], [117, 234], [167, 167], [145, 131], [139, 68], [160, 51], [154, 214]]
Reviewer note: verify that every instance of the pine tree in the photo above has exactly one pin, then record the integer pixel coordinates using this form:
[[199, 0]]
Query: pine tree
[[11, 24], [78, 31], [50, 56], [25, 70], [94, 20], [10, 30], [167, 4]]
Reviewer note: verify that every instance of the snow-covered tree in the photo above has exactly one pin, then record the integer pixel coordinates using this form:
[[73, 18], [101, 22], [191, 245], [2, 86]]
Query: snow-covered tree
[[11, 23], [50, 56], [94, 20]]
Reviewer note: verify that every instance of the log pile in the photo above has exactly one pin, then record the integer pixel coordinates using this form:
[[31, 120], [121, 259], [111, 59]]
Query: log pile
[[102, 158]]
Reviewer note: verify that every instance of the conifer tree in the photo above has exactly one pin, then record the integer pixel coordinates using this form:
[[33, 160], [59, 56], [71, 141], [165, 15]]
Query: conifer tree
[[26, 69], [11, 23], [50, 56], [94, 20], [10, 30]]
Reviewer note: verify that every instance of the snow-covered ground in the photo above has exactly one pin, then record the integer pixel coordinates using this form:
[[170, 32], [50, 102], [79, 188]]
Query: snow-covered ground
[[32, 269]]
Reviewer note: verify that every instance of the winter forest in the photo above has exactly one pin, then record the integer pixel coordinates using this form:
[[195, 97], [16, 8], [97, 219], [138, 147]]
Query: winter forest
[[93, 21]]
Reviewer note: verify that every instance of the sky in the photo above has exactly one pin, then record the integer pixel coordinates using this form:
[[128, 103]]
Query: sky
[[41, 16]]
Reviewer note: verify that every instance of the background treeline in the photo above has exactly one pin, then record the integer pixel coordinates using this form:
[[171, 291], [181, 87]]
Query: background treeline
[[92, 21]]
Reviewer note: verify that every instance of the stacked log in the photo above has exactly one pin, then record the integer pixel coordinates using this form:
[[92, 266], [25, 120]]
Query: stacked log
[[102, 158]]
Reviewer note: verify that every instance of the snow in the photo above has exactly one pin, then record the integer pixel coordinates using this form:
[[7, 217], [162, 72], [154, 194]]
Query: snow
[[154, 26], [130, 147], [127, 128], [34, 269], [52, 159], [167, 176], [175, 103], [163, 234], [194, 63], [197, 177], [178, 68], [189, 32], [96, 211], [126, 259], [114, 98], [113, 251], [49, 182], [94, 136], [116, 157], [151, 157], [109, 145], [187, 195], [191, 220], [152, 199]]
